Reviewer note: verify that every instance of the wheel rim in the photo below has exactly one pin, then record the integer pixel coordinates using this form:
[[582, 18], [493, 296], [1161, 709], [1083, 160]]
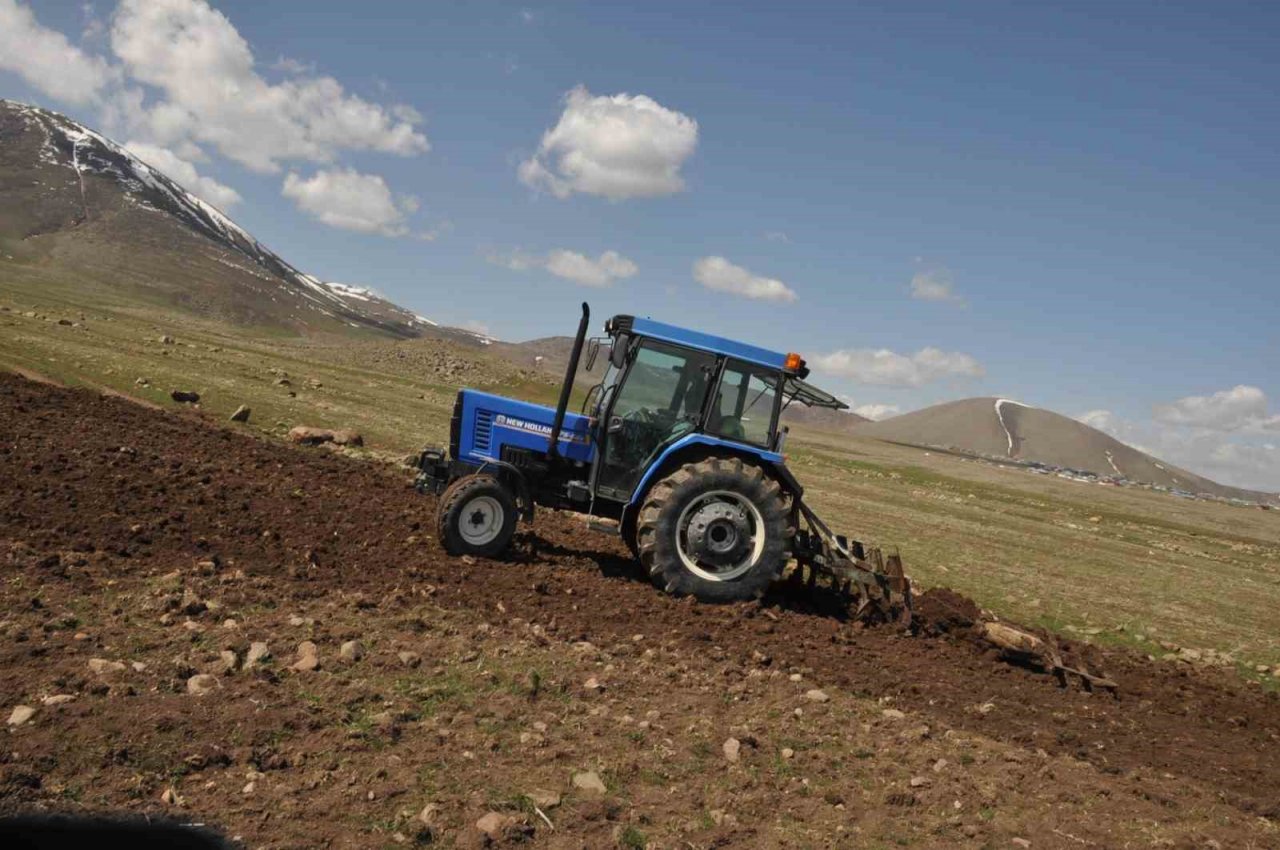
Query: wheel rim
[[720, 535], [480, 520]]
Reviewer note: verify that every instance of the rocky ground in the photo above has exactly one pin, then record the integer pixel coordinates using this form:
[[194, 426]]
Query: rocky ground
[[205, 625]]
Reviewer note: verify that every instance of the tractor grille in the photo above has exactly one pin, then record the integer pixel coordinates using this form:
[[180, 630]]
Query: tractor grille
[[484, 430]]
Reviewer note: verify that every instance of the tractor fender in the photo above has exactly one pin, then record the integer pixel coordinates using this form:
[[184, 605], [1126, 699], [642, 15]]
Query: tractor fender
[[695, 447]]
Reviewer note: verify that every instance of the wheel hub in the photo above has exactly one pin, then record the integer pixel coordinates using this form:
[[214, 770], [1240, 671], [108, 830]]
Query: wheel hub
[[719, 534], [481, 520]]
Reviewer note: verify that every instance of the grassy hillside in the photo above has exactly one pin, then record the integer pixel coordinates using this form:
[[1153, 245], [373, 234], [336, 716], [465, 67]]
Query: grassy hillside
[[1108, 564]]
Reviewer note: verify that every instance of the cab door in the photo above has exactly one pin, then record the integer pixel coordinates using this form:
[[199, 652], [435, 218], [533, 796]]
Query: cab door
[[661, 398]]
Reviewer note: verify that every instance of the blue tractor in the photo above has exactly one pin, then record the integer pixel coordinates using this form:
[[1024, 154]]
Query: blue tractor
[[678, 450]]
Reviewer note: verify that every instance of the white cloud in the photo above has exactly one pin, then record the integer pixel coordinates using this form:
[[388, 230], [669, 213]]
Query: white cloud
[[210, 93], [602, 271], [1241, 459], [617, 146], [94, 28], [1103, 420], [347, 199], [1239, 408], [883, 367], [184, 173], [933, 285], [723, 276], [579, 268], [47, 60], [289, 65], [877, 411]]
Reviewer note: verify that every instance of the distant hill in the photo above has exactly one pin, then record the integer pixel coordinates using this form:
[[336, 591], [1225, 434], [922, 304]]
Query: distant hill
[[822, 419], [76, 206], [1001, 428]]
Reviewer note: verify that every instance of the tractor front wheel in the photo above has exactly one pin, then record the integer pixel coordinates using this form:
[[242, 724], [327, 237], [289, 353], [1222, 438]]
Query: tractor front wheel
[[716, 530], [477, 516]]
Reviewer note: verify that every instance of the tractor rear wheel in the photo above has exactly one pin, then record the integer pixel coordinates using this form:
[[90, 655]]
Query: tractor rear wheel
[[477, 516], [716, 530]]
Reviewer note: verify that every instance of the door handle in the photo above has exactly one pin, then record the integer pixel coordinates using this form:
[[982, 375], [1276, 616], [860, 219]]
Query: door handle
[[615, 424]]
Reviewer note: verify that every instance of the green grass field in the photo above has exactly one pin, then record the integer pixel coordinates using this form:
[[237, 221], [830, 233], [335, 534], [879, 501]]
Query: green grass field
[[1101, 563]]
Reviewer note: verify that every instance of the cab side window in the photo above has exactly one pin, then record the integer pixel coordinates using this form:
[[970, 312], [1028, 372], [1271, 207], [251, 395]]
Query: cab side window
[[744, 405]]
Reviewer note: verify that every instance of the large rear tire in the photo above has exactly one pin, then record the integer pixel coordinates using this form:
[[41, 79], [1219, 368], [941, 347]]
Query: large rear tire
[[716, 530], [477, 516]]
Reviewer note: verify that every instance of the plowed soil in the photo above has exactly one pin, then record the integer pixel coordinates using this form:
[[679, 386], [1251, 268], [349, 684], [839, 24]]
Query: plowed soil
[[131, 534]]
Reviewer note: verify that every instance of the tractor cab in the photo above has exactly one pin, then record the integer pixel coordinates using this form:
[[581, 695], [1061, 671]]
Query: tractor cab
[[664, 385]]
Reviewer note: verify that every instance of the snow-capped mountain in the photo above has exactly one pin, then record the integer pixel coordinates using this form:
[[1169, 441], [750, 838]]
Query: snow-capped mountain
[[73, 197]]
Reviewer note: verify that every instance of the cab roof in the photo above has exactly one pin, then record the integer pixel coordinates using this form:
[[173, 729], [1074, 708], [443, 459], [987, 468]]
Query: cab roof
[[698, 339], [794, 389]]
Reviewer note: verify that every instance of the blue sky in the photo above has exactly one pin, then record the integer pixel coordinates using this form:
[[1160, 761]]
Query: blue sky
[[1086, 196]]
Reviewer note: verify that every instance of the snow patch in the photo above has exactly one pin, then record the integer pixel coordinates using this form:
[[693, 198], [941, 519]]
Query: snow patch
[[357, 292], [1001, 402]]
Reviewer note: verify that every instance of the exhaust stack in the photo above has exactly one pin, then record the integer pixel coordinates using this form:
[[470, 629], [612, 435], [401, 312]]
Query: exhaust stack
[[571, 372]]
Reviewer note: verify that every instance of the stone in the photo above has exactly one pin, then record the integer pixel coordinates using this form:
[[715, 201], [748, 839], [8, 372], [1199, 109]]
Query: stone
[[732, 748], [1020, 842], [201, 684], [241, 414], [228, 661], [430, 815], [409, 659], [103, 667], [499, 827], [258, 652], [788, 753], [892, 714], [816, 695], [166, 340], [21, 714], [351, 651], [590, 782], [58, 699], [315, 436], [593, 686], [919, 781], [186, 396], [544, 799], [308, 657]]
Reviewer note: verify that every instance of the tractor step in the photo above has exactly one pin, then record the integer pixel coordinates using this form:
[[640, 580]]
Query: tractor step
[[604, 526]]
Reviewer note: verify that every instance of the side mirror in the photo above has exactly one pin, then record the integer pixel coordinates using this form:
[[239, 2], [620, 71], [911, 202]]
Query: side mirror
[[593, 351], [618, 352]]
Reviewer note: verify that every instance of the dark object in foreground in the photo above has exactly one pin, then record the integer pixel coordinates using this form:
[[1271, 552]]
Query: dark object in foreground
[[64, 832], [185, 395]]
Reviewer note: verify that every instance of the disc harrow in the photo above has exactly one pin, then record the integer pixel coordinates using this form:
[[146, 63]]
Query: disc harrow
[[870, 579]]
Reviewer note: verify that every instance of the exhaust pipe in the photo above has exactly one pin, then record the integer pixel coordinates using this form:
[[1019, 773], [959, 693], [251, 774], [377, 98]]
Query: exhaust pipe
[[553, 451]]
